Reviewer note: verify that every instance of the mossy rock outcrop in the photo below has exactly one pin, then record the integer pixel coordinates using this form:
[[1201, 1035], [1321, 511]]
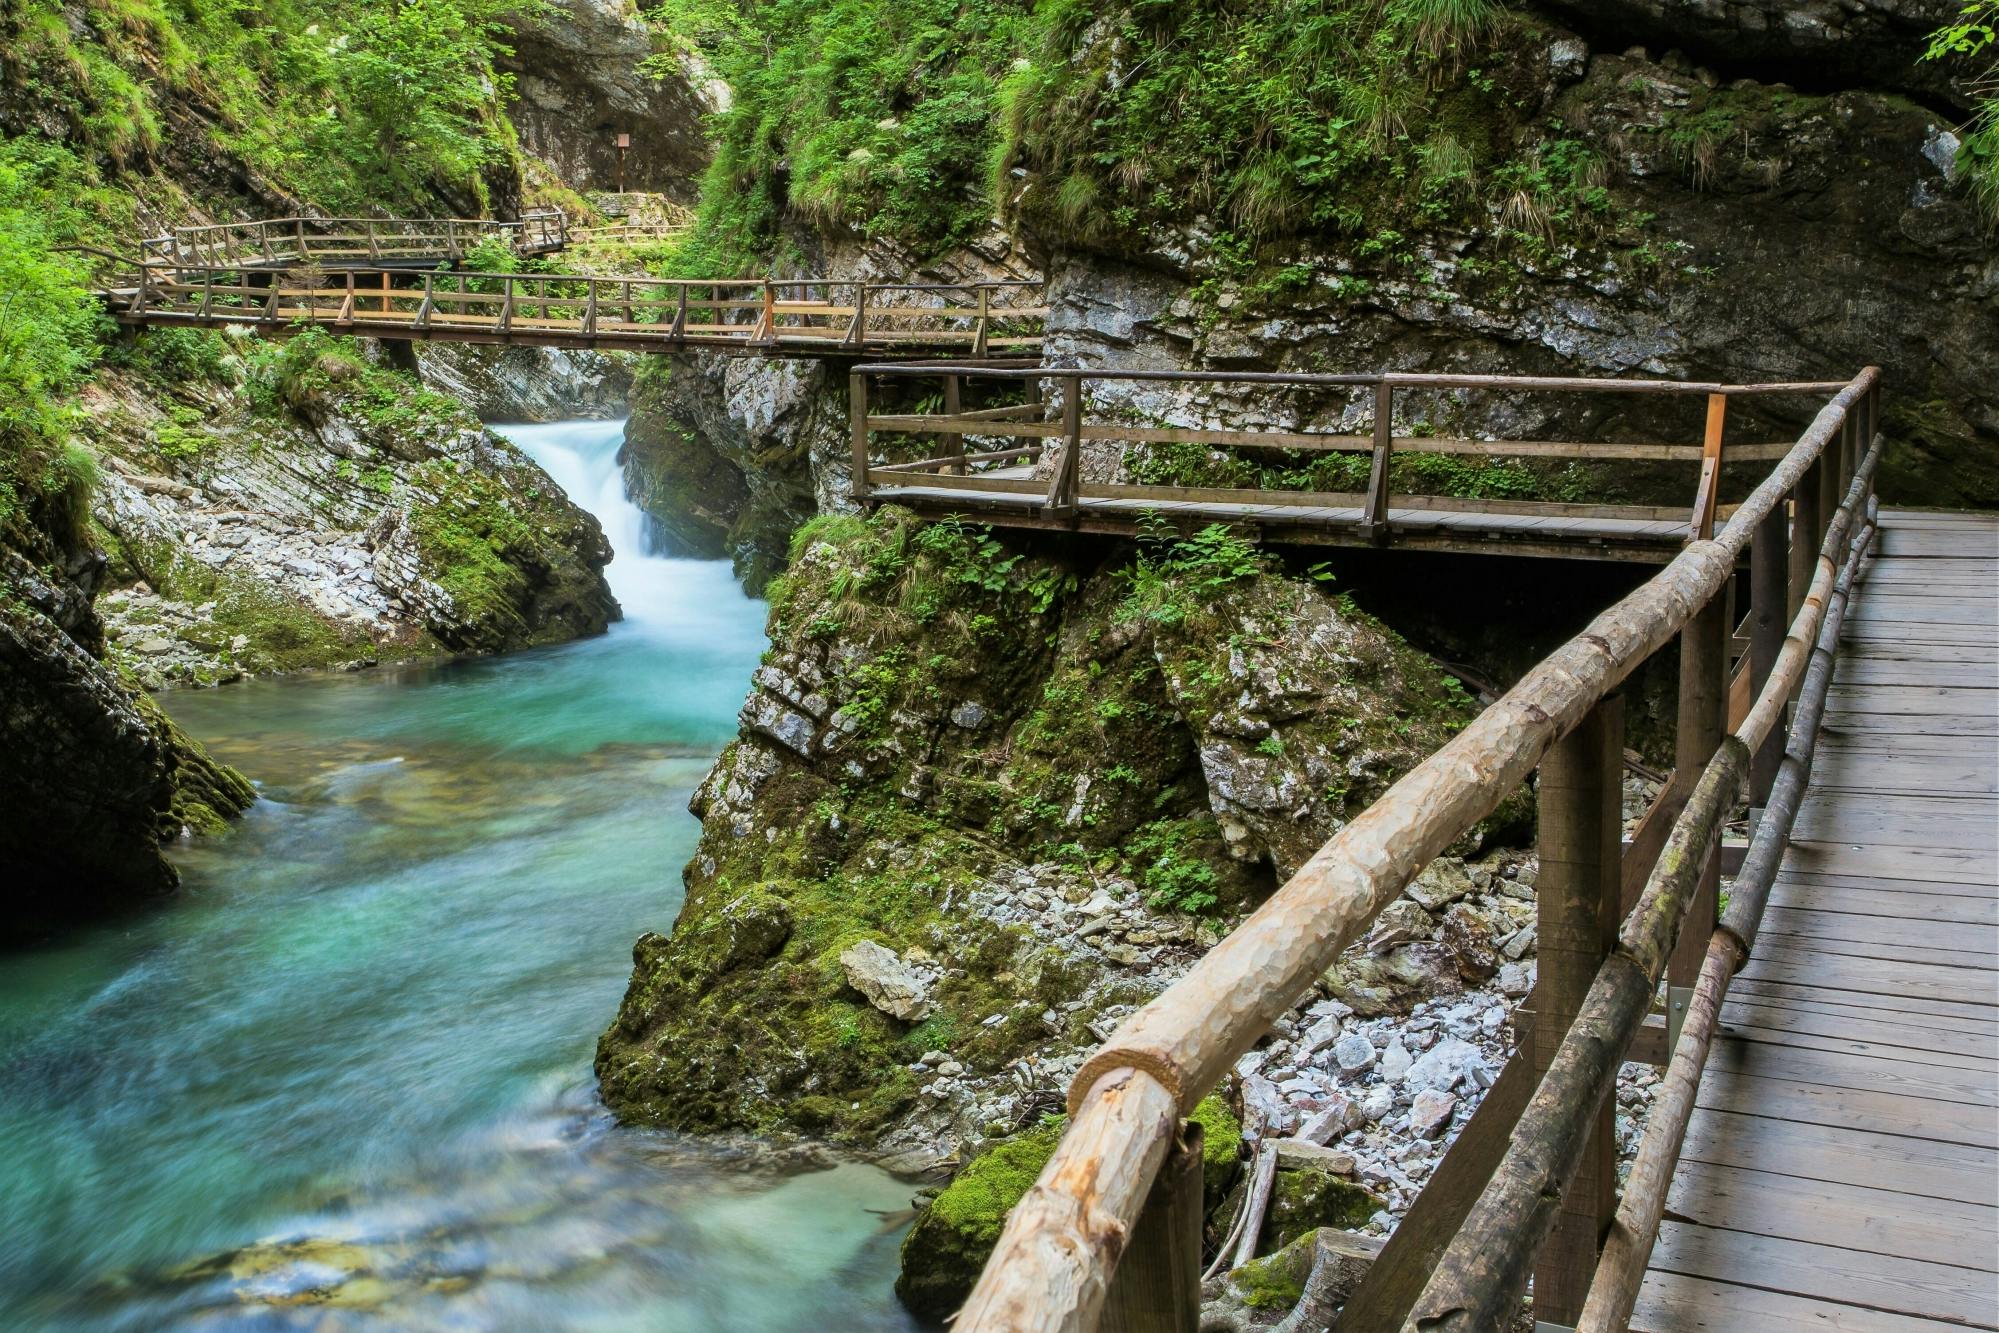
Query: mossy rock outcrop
[[97, 778], [1043, 779]]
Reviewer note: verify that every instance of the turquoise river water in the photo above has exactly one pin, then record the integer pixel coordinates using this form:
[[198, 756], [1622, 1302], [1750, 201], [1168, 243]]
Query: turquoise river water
[[343, 1080]]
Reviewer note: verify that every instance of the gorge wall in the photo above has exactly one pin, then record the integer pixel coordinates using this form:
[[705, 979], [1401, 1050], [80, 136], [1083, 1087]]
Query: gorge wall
[[1760, 192]]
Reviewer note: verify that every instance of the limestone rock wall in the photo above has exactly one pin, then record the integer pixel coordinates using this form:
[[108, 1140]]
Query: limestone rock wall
[[1006, 796], [341, 534], [578, 85]]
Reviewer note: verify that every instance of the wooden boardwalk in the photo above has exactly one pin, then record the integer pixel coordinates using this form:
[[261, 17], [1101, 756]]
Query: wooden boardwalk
[[1842, 1172]]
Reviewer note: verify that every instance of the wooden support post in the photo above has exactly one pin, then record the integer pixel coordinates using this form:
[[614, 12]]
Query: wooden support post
[[861, 316], [1769, 618], [1383, 1298], [1703, 697], [1581, 845], [507, 307], [385, 291], [954, 443], [985, 313], [298, 229], [1832, 488], [1804, 538], [769, 318], [374, 251], [1707, 496], [1374, 516], [1068, 467], [1156, 1286], [857, 418], [424, 311], [590, 313]]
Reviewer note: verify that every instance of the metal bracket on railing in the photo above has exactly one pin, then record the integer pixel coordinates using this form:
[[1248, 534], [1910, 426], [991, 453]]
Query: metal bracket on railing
[[1677, 1000]]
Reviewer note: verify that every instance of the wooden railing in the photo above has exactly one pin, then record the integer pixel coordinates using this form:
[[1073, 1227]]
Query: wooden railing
[[758, 314], [275, 242], [1079, 423], [1528, 1188]]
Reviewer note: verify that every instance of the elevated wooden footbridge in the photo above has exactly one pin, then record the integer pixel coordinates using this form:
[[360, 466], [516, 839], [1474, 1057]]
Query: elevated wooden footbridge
[[405, 280], [1824, 1153]]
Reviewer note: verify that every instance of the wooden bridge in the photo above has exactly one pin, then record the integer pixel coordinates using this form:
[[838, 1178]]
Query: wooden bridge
[[1824, 1153], [339, 243], [1073, 456], [750, 316], [403, 279]]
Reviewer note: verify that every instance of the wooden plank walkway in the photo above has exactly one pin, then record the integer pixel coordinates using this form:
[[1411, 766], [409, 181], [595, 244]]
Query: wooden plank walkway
[[1647, 540], [1842, 1172]]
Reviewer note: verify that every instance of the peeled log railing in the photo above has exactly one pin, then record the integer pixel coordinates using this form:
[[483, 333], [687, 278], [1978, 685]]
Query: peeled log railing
[[1507, 1200]]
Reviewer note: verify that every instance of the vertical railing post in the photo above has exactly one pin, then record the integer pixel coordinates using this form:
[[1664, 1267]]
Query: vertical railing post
[[1702, 716], [374, 250], [1062, 483], [507, 305], [985, 313], [679, 329], [298, 230], [1581, 825], [1707, 496], [1832, 484], [1804, 537], [954, 443], [860, 336], [1156, 1286], [1768, 619], [1374, 515], [590, 311], [857, 417]]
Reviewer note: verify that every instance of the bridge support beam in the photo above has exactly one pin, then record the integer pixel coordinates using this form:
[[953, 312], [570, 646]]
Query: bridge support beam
[[1580, 905]]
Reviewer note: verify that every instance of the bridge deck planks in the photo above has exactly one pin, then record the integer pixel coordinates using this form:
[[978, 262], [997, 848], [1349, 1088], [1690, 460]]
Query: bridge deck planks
[[1842, 1167]]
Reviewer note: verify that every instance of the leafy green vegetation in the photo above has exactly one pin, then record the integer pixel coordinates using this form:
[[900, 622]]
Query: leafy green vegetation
[[1973, 40], [874, 113], [48, 331]]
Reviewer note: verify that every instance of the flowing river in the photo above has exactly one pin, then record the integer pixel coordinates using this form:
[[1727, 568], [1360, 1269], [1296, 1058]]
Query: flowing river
[[344, 1079]]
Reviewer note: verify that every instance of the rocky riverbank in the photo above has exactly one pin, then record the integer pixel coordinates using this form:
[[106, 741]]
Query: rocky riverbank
[[303, 506], [987, 799]]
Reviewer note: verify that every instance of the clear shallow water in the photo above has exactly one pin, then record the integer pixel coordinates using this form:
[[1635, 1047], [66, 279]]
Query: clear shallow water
[[344, 1080]]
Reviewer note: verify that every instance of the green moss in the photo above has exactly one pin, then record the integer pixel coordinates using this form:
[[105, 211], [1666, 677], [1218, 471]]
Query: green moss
[[949, 1245], [1276, 1281], [1304, 1200], [1221, 1146], [283, 634]]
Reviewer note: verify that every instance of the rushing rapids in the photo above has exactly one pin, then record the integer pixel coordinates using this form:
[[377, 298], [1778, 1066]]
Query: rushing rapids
[[347, 1072]]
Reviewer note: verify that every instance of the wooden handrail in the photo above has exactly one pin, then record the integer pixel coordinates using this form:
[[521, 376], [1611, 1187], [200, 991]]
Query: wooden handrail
[[1483, 1272], [1052, 1264], [1627, 1249]]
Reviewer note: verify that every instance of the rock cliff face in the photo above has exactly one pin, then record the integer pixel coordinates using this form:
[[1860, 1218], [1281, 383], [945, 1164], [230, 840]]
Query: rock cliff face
[[1784, 236], [97, 778], [983, 801], [728, 455], [356, 520], [579, 85]]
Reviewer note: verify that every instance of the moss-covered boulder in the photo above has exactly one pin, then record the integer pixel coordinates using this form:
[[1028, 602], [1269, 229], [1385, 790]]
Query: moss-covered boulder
[[1304, 1199], [944, 1252], [95, 779], [1045, 778]]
